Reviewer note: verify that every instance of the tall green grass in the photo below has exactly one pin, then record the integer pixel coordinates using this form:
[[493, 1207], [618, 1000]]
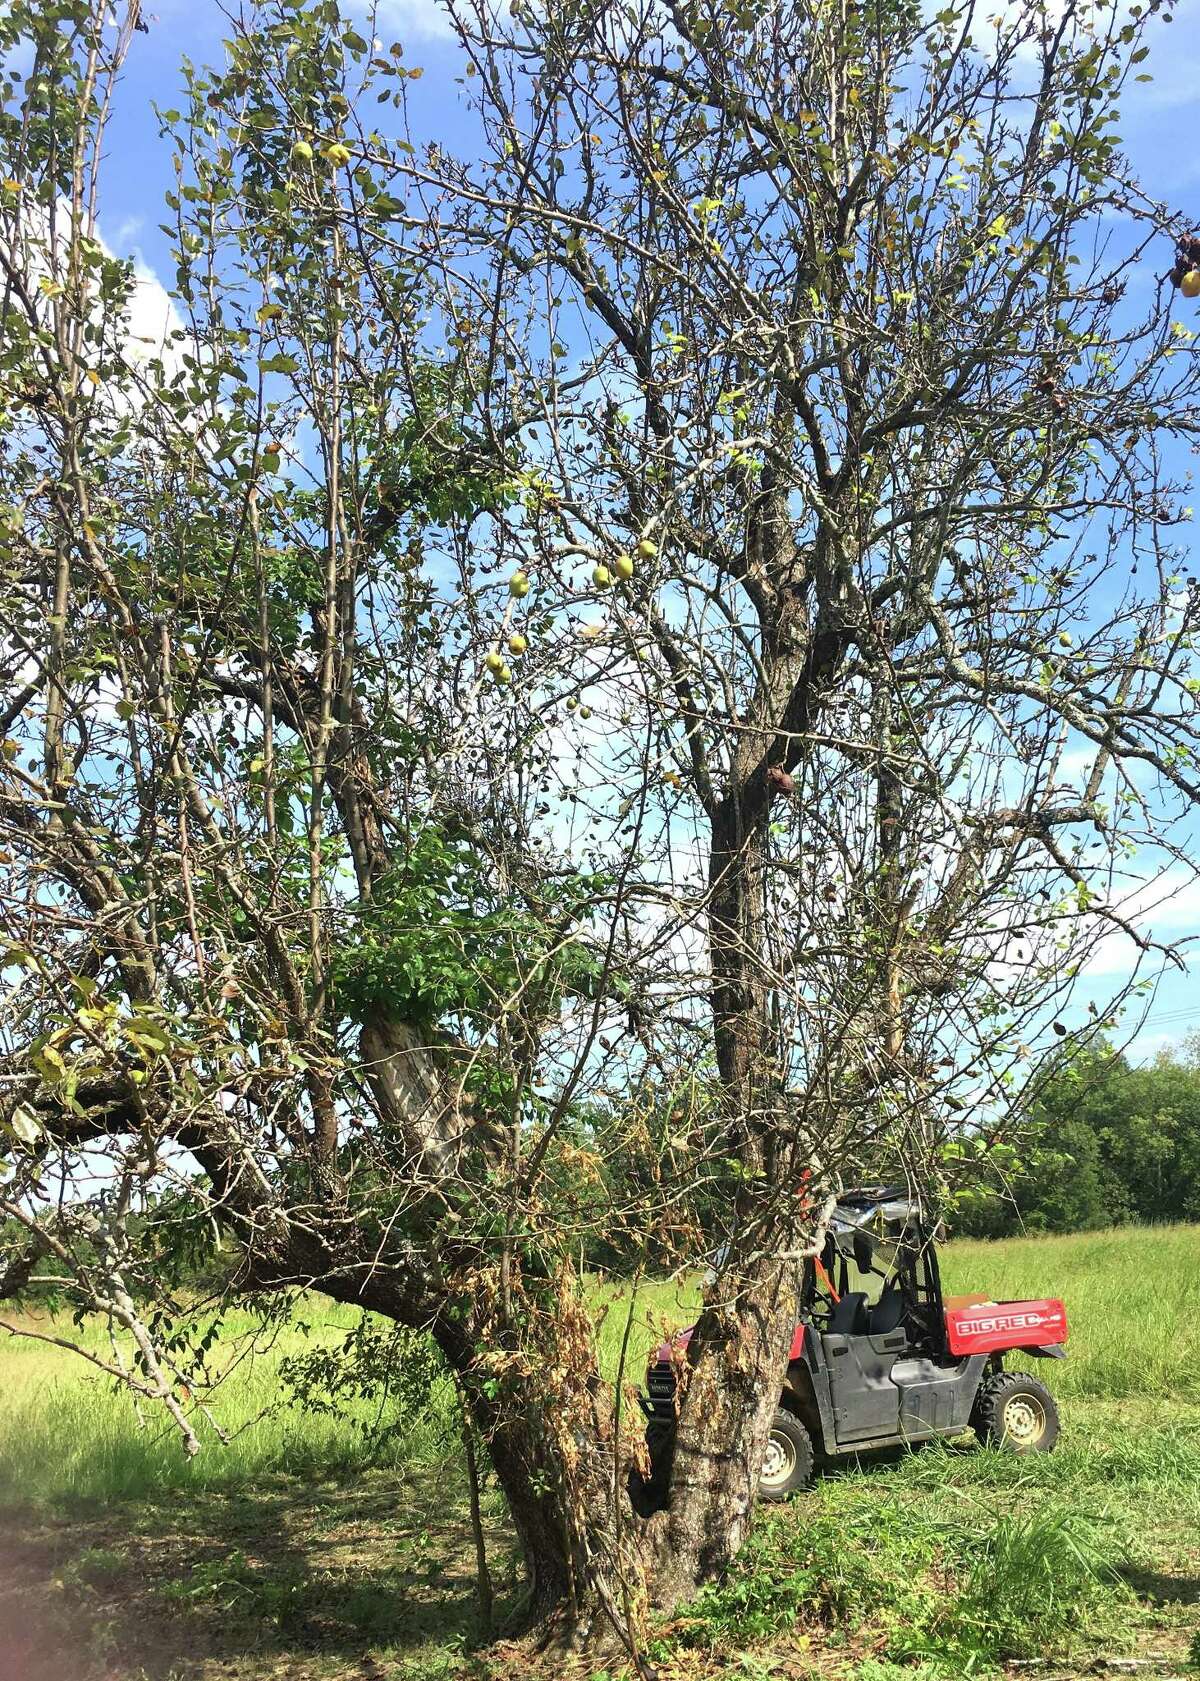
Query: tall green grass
[[67, 1431], [1132, 1298]]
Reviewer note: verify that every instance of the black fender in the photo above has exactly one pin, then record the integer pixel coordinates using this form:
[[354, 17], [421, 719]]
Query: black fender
[[1046, 1351], [806, 1393]]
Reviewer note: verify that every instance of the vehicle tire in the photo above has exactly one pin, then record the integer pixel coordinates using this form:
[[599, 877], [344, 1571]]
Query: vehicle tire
[[648, 1495], [1016, 1412], [788, 1465]]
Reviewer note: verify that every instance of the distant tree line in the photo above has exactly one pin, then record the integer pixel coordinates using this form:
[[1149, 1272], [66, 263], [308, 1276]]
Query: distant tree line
[[1115, 1143]]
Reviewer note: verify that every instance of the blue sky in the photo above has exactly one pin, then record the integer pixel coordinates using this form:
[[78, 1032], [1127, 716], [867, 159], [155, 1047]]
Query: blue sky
[[1160, 128]]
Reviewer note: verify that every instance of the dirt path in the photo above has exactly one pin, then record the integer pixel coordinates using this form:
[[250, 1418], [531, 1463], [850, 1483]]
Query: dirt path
[[295, 1581], [35, 1644]]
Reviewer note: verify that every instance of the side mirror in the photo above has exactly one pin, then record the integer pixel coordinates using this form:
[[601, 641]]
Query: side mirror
[[864, 1250]]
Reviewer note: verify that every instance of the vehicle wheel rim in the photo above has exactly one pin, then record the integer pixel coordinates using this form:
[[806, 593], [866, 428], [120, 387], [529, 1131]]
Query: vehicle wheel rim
[[1024, 1420], [780, 1461]]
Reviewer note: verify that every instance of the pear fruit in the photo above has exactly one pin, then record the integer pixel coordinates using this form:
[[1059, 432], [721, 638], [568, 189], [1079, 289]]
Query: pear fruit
[[517, 644], [504, 675], [302, 152], [623, 567], [646, 549], [518, 585], [1190, 284], [494, 661], [601, 577], [337, 154]]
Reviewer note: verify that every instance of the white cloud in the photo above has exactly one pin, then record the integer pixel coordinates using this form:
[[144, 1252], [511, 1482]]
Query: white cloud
[[409, 20], [152, 318], [149, 326], [125, 234], [1167, 909]]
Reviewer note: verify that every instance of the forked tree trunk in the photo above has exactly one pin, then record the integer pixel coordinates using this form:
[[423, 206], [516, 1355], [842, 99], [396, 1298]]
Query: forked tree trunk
[[563, 1450], [597, 1568], [563, 1459]]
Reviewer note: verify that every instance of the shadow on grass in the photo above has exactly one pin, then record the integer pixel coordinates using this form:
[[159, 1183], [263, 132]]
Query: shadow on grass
[[1161, 1588], [245, 1578]]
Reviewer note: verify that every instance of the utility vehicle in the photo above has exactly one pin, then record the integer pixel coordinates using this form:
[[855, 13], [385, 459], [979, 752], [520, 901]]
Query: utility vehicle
[[881, 1357]]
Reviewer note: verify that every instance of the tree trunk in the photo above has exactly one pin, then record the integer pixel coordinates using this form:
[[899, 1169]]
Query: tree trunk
[[523, 1349], [562, 1451], [736, 1364], [739, 1349]]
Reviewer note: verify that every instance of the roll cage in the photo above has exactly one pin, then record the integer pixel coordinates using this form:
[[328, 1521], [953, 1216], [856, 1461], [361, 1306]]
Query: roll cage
[[880, 1245]]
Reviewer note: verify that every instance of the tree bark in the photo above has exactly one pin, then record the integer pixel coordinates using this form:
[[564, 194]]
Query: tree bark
[[733, 1383]]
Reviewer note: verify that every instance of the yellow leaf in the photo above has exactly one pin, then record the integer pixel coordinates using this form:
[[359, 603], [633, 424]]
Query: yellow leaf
[[93, 376], [48, 1063]]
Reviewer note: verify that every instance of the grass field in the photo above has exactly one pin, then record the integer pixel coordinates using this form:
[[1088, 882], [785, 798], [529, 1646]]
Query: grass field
[[303, 1549]]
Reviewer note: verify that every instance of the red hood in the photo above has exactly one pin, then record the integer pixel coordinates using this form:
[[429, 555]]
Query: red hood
[[679, 1340]]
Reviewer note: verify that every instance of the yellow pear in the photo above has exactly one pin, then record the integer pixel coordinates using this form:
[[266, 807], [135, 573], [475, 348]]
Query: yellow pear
[[517, 643], [518, 585], [1190, 284], [494, 661], [647, 549], [601, 577], [623, 567], [302, 152], [337, 154]]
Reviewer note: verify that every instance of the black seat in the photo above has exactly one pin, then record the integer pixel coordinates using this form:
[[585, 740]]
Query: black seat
[[849, 1317], [888, 1311]]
